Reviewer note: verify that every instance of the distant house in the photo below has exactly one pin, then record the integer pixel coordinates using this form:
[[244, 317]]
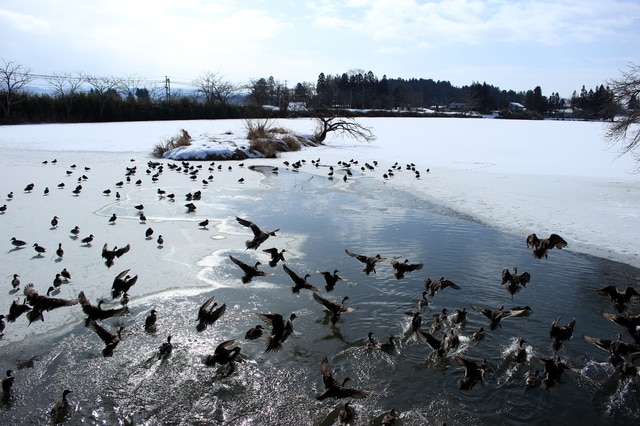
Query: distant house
[[516, 106], [457, 106]]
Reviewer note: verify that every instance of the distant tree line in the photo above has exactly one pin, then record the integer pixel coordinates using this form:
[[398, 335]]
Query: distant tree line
[[83, 98]]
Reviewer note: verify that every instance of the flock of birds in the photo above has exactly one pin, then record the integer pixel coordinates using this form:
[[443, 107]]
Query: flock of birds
[[442, 334]]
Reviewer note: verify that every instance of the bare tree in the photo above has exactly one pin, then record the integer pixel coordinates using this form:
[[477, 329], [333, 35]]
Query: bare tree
[[13, 78], [104, 88], [66, 86], [213, 88], [624, 129], [344, 125]]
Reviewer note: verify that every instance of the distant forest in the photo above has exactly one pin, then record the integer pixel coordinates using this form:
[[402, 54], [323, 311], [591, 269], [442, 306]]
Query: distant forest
[[80, 98]]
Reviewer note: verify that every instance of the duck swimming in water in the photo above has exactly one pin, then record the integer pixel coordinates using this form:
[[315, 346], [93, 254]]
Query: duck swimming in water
[[254, 332], [617, 348], [150, 321], [369, 261], [495, 315], [61, 409], [259, 236], [7, 382], [165, 349]]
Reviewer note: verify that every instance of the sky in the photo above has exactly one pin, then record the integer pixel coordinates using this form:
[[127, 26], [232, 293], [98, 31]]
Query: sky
[[511, 44]]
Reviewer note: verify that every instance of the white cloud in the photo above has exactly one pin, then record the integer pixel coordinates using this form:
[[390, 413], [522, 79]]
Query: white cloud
[[23, 22]]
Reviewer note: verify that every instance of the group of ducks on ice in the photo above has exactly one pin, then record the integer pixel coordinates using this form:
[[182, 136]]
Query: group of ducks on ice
[[622, 354]]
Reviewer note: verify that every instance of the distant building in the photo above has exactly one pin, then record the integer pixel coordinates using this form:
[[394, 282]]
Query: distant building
[[516, 106]]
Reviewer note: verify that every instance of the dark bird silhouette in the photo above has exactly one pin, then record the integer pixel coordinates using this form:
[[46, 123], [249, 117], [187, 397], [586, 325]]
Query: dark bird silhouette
[[29, 187], [299, 282], [280, 330], [404, 267], [204, 223], [15, 282], [561, 334], [3, 208], [259, 236], [66, 274], [416, 320], [459, 316], [223, 354], [160, 240], [17, 243], [541, 247], [335, 309], [249, 271], [515, 278], [40, 303], [122, 283], [554, 368], [440, 284], [16, 309], [520, 354], [148, 233], [276, 256], [96, 312], [54, 222], [139, 207], [630, 322], [208, 313], [61, 409], [165, 349], [150, 321], [39, 249], [110, 255], [619, 298], [110, 340], [423, 300], [57, 281], [473, 373], [75, 231], [369, 261], [87, 240], [438, 345], [617, 348], [59, 251], [112, 219], [335, 389], [254, 332], [347, 414], [7, 382], [495, 316], [330, 278]]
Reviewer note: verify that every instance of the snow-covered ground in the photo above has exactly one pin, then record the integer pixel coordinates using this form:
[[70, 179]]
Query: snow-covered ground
[[517, 176]]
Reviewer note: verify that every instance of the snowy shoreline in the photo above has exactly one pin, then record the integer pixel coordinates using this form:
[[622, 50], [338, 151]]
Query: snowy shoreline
[[516, 176]]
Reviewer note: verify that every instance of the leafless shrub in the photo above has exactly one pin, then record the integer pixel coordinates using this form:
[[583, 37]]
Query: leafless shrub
[[182, 139]]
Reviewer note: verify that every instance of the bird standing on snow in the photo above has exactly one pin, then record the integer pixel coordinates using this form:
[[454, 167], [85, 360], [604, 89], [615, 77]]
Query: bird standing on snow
[[113, 218]]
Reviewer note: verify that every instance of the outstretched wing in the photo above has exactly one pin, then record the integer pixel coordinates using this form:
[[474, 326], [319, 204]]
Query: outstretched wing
[[557, 241], [362, 258]]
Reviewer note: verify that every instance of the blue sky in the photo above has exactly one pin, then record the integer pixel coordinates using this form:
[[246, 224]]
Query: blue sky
[[513, 44]]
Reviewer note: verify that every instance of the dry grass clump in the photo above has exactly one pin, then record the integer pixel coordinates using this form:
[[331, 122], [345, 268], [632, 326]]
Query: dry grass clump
[[269, 140], [182, 139]]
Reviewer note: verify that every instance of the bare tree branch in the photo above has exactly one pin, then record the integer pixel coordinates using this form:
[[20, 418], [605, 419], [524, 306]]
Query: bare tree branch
[[213, 88], [624, 130], [346, 126], [13, 78]]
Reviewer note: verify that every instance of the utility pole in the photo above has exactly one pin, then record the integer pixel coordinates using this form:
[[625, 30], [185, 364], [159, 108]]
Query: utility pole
[[167, 87]]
